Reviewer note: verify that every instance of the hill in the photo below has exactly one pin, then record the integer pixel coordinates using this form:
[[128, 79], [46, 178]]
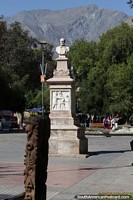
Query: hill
[[87, 22]]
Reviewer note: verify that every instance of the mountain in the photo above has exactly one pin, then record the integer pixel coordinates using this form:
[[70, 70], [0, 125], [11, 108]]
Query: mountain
[[87, 22]]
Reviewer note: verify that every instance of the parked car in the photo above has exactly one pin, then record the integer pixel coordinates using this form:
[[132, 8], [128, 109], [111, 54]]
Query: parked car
[[6, 125], [7, 120]]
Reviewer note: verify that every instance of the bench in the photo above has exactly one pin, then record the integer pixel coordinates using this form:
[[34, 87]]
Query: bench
[[97, 124]]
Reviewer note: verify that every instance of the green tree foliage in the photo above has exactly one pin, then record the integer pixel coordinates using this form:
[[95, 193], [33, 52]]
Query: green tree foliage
[[130, 2], [38, 99], [34, 98], [105, 84], [20, 66], [82, 56], [116, 45], [120, 88], [114, 49]]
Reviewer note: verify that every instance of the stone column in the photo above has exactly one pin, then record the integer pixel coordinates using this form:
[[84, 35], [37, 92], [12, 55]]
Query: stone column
[[67, 137]]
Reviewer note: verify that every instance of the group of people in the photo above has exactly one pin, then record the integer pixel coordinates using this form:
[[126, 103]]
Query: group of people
[[110, 123]]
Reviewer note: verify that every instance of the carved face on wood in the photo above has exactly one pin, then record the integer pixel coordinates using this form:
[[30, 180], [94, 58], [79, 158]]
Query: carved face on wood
[[28, 127], [29, 146]]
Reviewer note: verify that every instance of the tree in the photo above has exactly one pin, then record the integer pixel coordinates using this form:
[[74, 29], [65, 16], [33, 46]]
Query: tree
[[115, 47], [19, 65], [102, 86], [130, 2], [15, 59], [92, 91], [37, 102], [120, 88], [82, 55]]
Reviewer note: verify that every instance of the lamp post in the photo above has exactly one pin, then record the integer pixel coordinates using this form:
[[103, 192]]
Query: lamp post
[[43, 72]]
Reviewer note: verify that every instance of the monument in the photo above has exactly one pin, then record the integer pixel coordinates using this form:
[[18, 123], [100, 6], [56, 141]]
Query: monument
[[67, 136]]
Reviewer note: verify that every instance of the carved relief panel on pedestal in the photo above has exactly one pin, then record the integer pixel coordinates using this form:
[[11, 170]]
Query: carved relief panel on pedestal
[[60, 100]]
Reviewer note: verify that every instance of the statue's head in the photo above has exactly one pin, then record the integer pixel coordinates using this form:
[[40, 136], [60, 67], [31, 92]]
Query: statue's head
[[62, 41]]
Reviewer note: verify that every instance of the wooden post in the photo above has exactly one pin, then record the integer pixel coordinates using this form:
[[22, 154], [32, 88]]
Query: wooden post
[[36, 157]]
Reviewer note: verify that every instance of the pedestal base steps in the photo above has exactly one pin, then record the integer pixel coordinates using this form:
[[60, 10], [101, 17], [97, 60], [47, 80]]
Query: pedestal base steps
[[67, 140]]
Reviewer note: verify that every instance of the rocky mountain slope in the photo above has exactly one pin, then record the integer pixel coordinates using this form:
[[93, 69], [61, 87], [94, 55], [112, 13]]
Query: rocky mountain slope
[[87, 22]]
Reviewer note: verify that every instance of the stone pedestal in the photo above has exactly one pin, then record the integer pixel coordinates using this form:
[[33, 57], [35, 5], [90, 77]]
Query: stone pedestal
[[67, 137]]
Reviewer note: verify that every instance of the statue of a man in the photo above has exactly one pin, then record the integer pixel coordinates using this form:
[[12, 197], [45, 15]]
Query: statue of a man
[[62, 49]]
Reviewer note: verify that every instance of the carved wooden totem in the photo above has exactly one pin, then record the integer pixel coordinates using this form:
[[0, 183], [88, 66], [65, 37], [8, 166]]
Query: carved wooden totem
[[36, 157]]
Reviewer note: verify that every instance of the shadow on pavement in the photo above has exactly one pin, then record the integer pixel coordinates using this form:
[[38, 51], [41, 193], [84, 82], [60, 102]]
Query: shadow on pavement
[[5, 196], [95, 153], [12, 131], [109, 167], [10, 197]]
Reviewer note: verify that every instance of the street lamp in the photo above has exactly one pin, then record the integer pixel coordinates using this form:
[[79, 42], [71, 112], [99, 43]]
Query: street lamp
[[43, 72]]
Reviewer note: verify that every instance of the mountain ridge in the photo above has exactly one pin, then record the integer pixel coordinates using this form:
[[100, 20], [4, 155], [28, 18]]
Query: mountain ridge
[[88, 22]]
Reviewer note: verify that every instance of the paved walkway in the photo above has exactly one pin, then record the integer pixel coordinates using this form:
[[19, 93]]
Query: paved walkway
[[107, 168], [70, 180]]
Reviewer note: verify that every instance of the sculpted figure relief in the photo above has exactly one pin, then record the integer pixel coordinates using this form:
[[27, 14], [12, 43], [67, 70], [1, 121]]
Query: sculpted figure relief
[[61, 100], [36, 157], [31, 129], [62, 49]]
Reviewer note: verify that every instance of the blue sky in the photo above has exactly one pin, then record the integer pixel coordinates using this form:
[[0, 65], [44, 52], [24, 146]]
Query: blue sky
[[10, 7]]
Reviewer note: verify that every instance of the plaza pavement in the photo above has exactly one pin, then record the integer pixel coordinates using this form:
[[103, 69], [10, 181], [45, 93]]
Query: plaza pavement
[[107, 168]]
